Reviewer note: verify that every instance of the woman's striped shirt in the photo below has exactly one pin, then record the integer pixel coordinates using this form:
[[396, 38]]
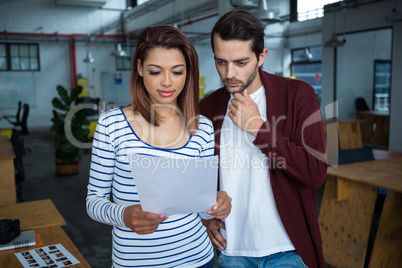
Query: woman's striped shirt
[[179, 241]]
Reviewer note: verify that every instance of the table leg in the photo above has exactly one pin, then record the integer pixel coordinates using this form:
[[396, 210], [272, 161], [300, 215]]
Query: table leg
[[8, 195], [387, 248], [345, 224]]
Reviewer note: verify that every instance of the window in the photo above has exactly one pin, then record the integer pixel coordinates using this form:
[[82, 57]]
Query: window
[[382, 85], [140, 2], [124, 63], [311, 9], [306, 66], [19, 57]]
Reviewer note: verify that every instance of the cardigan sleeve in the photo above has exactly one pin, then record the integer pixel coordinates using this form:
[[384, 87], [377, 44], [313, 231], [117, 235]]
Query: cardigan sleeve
[[99, 206], [295, 141]]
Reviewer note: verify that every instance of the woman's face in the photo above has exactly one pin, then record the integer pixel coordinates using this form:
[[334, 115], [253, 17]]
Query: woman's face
[[164, 74]]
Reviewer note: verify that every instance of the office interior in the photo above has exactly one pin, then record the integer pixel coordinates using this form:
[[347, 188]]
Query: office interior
[[350, 52]]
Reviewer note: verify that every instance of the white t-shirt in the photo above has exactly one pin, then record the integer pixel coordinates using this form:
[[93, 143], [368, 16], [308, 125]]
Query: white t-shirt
[[253, 228]]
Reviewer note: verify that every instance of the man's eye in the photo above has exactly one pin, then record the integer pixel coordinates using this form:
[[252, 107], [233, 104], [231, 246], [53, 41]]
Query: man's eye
[[220, 62], [241, 63]]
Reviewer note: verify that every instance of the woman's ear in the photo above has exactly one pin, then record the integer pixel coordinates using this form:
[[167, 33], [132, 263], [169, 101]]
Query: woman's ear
[[139, 68]]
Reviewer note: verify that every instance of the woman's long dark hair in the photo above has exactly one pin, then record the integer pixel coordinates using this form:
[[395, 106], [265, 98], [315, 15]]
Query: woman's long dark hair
[[167, 37]]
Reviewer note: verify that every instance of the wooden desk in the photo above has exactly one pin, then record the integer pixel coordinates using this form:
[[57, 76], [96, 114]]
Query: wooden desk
[[8, 194], [34, 214], [50, 236], [347, 131], [345, 224]]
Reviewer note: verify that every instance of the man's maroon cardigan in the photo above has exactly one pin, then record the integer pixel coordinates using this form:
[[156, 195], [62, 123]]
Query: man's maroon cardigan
[[293, 139]]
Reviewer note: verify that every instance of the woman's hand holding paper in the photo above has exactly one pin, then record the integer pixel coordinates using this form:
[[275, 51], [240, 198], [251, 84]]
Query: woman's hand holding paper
[[142, 222]]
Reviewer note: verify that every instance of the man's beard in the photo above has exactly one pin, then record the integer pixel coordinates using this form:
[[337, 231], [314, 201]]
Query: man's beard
[[243, 85]]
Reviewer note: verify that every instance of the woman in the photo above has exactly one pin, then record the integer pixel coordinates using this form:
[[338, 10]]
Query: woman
[[162, 120]]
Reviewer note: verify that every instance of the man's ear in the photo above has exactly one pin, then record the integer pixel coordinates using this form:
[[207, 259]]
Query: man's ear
[[139, 68], [262, 57]]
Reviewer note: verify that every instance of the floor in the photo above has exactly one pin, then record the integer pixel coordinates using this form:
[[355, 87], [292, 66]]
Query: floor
[[68, 193]]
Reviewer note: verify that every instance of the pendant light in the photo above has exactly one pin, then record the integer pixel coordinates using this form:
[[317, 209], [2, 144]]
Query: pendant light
[[119, 52], [306, 54], [89, 58], [264, 14], [334, 41]]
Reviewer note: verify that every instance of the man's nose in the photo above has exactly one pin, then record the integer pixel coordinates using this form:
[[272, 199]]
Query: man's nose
[[231, 72]]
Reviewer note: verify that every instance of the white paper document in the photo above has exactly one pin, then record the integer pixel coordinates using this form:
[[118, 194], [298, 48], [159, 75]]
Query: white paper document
[[175, 186]]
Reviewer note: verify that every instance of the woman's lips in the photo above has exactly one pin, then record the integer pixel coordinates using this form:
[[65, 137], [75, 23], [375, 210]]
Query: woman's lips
[[165, 93]]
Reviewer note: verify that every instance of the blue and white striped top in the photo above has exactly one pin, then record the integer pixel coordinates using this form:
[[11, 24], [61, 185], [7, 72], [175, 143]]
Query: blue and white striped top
[[179, 241]]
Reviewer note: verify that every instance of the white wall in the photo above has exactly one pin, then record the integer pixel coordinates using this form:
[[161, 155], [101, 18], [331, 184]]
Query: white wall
[[30, 15], [367, 17], [27, 17], [355, 68], [104, 62]]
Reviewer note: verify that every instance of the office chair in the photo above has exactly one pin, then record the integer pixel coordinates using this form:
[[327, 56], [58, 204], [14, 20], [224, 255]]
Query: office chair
[[16, 121], [355, 155], [18, 148], [361, 104], [24, 119]]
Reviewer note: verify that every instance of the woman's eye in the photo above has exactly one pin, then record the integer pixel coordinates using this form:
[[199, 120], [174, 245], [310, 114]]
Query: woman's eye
[[154, 73], [178, 73]]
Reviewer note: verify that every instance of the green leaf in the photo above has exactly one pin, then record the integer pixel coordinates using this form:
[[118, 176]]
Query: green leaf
[[75, 92], [63, 94], [58, 104]]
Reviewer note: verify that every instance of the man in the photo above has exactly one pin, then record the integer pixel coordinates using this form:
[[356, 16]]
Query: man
[[269, 135]]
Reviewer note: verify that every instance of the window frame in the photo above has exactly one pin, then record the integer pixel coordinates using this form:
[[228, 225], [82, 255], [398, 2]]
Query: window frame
[[305, 63], [294, 13], [374, 82], [9, 57]]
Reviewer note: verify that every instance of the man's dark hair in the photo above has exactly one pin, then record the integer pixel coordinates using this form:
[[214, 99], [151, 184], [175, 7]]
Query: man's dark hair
[[240, 25]]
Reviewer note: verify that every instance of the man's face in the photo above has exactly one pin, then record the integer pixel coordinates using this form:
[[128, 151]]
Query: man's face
[[237, 65]]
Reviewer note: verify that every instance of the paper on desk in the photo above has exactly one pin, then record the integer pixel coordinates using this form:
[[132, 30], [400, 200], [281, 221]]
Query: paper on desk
[[175, 186], [48, 256]]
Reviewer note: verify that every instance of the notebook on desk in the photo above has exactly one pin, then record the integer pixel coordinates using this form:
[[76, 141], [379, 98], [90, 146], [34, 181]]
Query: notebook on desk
[[25, 239]]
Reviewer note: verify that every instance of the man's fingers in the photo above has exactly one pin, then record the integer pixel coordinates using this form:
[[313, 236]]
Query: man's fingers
[[239, 97], [236, 102], [246, 95], [217, 240], [222, 225], [232, 108]]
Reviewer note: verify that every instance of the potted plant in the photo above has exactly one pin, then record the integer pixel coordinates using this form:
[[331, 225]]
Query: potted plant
[[67, 154]]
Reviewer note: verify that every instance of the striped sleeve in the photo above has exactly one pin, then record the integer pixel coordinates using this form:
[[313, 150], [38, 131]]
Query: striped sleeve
[[99, 206], [207, 131]]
